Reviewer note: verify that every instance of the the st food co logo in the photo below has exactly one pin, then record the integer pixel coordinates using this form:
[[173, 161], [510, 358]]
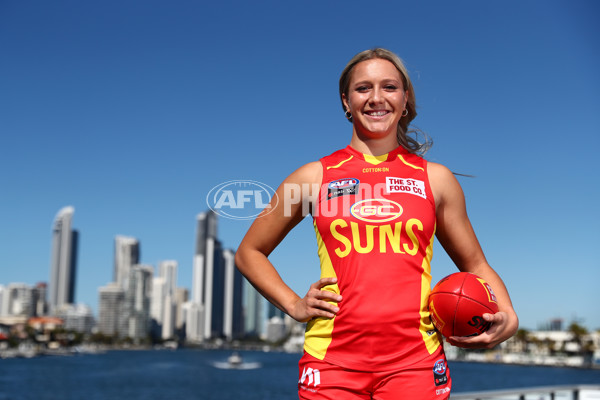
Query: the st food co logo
[[241, 199]]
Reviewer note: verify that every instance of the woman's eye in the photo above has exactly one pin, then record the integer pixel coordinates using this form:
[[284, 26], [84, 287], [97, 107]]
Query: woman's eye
[[362, 89], [391, 87]]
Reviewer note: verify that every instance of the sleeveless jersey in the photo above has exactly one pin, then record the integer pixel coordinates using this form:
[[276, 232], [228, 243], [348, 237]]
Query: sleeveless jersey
[[375, 224]]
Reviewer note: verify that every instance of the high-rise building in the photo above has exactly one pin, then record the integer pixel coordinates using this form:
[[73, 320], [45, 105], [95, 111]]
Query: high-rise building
[[206, 235], [127, 254], [137, 302], [41, 306], [233, 317], [276, 327], [76, 317], [193, 320], [253, 311], [216, 287], [195, 311], [168, 272], [181, 297], [157, 304], [18, 300], [63, 260], [111, 319], [276, 330]]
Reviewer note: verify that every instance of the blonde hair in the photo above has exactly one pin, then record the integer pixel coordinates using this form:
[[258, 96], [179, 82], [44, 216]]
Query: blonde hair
[[409, 143]]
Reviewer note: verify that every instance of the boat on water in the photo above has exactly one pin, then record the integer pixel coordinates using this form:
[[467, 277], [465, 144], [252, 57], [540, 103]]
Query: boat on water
[[235, 361]]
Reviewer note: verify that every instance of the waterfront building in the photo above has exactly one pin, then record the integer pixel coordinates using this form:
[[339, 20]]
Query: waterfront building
[[45, 324], [195, 313], [216, 287], [163, 304], [193, 322], [181, 297], [18, 299], [76, 317], [111, 319], [253, 311], [127, 254], [137, 302], [168, 271], [276, 330], [156, 303], [168, 324], [63, 259], [233, 323], [203, 285], [41, 305]]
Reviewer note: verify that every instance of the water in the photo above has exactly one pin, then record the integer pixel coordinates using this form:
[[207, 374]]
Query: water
[[191, 374]]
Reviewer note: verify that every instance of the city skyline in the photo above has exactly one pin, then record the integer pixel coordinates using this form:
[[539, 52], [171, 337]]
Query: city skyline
[[132, 113], [142, 301], [127, 255]]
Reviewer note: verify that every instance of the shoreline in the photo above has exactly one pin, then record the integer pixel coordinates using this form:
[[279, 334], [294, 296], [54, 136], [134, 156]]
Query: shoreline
[[31, 352]]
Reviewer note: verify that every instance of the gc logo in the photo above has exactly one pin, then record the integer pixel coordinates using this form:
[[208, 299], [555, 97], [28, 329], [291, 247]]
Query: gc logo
[[376, 210]]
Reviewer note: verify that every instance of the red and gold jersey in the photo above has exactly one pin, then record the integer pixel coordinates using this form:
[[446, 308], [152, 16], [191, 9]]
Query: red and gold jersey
[[375, 225]]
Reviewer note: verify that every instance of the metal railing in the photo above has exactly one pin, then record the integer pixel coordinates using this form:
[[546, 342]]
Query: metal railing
[[565, 392]]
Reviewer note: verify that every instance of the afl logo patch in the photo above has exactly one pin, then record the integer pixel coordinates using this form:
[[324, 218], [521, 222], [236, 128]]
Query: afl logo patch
[[440, 367], [376, 210], [342, 187], [439, 373]]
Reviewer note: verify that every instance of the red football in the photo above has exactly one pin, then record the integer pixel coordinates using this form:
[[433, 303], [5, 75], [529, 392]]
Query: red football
[[457, 304]]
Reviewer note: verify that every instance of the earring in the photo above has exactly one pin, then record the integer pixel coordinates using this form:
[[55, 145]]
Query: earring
[[348, 115], [405, 112]]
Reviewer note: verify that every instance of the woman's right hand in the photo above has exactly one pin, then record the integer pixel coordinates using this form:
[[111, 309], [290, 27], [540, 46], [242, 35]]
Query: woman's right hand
[[317, 302]]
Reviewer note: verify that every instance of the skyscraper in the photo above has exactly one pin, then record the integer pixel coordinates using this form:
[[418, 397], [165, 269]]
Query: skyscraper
[[233, 318], [137, 302], [195, 310], [181, 297], [63, 260], [206, 235], [253, 311], [127, 254], [157, 305], [216, 307], [168, 271], [111, 319]]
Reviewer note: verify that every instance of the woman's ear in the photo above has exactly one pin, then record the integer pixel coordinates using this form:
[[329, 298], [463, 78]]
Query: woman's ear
[[345, 102]]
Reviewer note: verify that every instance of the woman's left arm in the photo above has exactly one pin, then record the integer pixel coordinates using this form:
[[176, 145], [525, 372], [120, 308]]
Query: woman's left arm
[[456, 235]]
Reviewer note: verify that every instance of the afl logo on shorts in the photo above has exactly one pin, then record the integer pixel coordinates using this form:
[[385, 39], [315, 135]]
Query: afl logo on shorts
[[439, 373], [376, 210], [342, 187]]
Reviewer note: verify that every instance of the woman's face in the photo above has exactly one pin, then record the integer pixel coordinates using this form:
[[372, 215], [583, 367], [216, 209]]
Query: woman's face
[[376, 98]]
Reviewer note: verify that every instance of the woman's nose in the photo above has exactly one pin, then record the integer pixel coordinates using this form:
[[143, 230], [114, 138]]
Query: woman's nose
[[376, 95]]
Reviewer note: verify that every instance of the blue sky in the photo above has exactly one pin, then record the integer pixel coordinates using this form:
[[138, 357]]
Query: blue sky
[[132, 111]]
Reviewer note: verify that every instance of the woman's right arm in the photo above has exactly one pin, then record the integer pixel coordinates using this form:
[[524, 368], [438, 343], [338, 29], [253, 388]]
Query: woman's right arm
[[267, 231]]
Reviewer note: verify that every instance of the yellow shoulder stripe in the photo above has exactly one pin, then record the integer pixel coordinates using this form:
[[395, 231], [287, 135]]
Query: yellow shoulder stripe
[[375, 159], [409, 164], [340, 164]]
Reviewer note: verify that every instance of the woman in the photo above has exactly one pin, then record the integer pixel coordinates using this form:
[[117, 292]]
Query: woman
[[376, 205]]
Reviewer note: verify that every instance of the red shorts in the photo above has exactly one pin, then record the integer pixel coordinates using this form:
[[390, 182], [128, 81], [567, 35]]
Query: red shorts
[[429, 379]]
